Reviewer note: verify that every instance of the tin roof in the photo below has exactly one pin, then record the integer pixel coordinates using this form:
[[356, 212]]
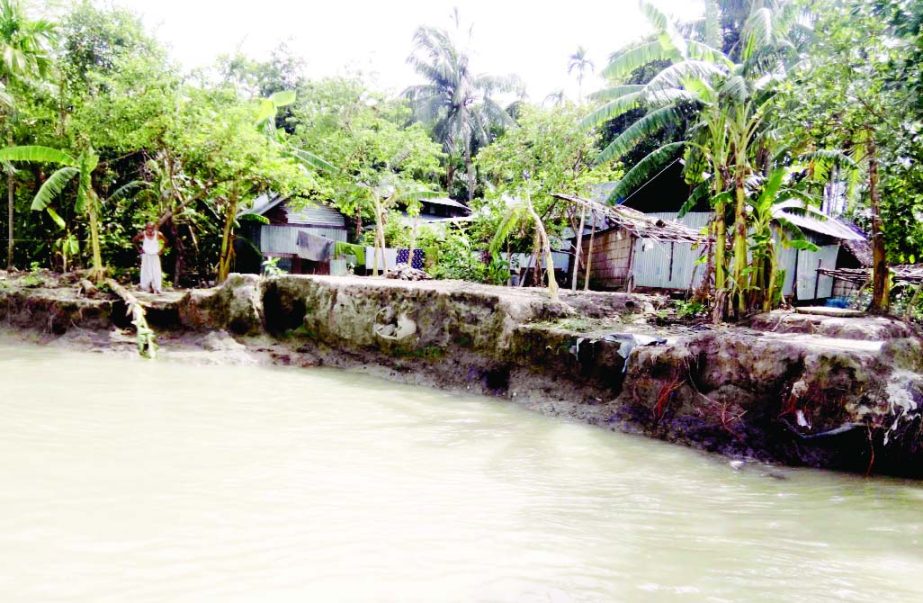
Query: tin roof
[[808, 218]]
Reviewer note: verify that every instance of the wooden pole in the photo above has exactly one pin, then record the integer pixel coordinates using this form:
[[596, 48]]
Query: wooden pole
[[579, 239], [589, 253]]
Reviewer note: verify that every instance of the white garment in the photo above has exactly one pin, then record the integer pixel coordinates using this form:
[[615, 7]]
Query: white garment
[[151, 277], [150, 245]]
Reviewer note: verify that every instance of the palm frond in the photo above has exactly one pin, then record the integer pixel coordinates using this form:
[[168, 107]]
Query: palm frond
[[126, 189], [644, 170], [669, 37], [794, 236], [37, 154], [757, 33], [491, 84], [613, 109], [616, 92], [676, 75], [516, 216], [647, 126], [698, 193], [734, 88], [311, 160], [58, 220], [834, 156], [622, 63], [703, 52], [52, 187]]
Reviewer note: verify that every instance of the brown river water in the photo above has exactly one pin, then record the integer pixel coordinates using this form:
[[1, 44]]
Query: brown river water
[[131, 480]]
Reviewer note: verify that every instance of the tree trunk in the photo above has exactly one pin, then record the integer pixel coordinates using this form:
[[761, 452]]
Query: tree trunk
[[546, 249], [469, 169], [10, 191], [770, 292], [379, 239], [449, 174], [573, 281], [227, 244], [589, 254], [179, 262], [147, 346], [99, 271], [11, 198], [881, 301], [720, 260], [740, 241]]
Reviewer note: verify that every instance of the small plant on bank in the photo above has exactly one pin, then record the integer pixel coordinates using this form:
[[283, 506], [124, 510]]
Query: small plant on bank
[[686, 309], [271, 267]]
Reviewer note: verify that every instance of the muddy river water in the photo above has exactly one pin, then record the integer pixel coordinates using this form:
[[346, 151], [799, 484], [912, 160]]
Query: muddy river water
[[129, 480]]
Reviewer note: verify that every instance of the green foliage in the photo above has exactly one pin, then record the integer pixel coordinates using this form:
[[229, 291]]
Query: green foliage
[[364, 136], [103, 133], [547, 153], [450, 255], [689, 309], [271, 267]]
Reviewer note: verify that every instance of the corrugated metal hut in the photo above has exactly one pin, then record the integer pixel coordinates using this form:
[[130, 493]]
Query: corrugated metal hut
[[834, 239], [297, 233], [669, 259], [631, 249]]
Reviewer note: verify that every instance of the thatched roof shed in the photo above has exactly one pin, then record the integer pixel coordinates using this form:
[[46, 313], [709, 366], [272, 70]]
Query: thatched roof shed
[[639, 225]]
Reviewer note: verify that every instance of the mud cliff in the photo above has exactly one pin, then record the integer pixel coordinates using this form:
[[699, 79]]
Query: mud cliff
[[797, 389]]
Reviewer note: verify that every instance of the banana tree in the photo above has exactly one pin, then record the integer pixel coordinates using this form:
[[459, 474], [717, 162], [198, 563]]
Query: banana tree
[[721, 98], [765, 284], [520, 214], [86, 200]]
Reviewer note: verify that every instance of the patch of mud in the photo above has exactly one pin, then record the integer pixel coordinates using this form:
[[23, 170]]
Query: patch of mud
[[865, 327]]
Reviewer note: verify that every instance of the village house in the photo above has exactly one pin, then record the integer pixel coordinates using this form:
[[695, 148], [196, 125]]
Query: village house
[[300, 233], [643, 249]]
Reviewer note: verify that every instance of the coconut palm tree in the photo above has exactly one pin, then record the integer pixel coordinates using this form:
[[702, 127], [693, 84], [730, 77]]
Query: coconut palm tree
[[24, 56], [727, 100], [86, 200], [580, 63], [458, 104]]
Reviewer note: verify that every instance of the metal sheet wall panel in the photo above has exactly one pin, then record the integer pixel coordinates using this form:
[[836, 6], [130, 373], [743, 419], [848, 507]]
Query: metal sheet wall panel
[[809, 281], [283, 239], [652, 265], [315, 214]]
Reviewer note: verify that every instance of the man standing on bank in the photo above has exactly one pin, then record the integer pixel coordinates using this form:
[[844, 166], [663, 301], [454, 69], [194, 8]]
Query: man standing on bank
[[151, 242]]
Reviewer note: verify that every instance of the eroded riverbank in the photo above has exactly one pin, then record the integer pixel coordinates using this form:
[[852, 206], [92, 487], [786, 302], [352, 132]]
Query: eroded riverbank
[[823, 392]]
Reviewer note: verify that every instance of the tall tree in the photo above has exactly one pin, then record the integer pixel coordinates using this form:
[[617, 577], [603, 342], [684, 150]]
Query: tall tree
[[849, 92], [458, 104], [24, 57], [579, 62]]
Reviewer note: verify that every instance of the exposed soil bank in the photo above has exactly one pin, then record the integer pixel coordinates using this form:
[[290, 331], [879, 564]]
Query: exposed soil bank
[[840, 393]]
